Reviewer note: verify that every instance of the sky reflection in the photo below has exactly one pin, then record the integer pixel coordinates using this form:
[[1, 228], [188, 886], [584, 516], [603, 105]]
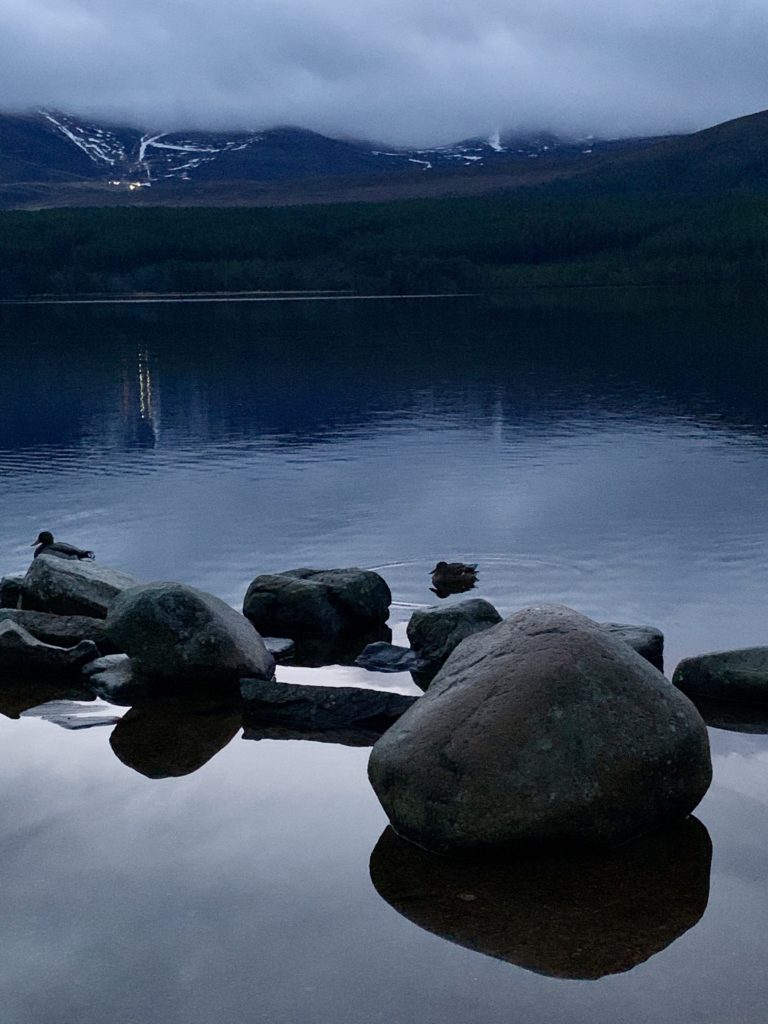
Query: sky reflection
[[614, 460]]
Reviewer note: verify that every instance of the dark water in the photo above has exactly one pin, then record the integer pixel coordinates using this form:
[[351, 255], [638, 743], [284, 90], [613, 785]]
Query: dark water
[[609, 454]]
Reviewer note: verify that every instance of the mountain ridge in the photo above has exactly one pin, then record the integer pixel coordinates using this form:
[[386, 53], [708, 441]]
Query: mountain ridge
[[58, 159]]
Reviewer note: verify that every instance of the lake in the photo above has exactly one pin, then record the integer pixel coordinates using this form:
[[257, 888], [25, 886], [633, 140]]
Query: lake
[[602, 450]]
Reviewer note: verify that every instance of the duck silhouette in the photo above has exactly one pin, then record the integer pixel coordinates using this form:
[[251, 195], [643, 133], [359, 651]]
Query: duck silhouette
[[453, 578], [45, 545], [446, 573]]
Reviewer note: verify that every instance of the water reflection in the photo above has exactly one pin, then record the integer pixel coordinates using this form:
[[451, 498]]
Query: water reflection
[[344, 649], [748, 718], [172, 736], [20, 693], [580, 918], [139, 412]]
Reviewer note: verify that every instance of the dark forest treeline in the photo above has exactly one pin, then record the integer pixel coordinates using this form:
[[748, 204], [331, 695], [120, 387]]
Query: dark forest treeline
[[419, 245]]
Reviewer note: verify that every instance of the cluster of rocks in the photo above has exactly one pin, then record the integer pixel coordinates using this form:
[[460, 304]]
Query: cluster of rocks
[[186, 663], [542, 728]]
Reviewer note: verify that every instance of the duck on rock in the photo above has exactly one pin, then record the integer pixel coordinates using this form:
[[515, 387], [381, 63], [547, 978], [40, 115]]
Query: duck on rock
[[45, 545]]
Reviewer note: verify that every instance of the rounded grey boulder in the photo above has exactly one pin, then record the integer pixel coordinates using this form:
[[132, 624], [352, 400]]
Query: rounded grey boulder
[[174, 632], [71, 587], [316, 603], [434, 633], [543, 729]]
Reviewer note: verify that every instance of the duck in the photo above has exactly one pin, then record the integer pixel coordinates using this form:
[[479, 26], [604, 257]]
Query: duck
[[45, 545], [449, 574]]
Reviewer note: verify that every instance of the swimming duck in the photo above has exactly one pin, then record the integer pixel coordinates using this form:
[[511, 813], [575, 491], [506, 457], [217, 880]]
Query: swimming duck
[[45, 545], [447, 574]]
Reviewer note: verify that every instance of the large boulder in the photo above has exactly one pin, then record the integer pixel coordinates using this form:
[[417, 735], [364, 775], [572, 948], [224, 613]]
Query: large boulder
[[542, 729], [176, 633], [72, 587], [61, 630], [434, 633], [740, 675], [317, 603], [20, 652]]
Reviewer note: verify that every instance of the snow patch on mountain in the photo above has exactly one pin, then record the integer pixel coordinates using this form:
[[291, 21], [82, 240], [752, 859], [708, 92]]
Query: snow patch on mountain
[[100, 144]]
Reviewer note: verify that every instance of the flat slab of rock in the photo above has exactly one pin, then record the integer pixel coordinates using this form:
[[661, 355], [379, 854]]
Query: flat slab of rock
[[648, 641], [434, 633], [317, 603], [61, 630], [73, 587], [738, 676], [541, 730], [177, 633], [11, 588], [321, 708], [384, 657], [22, 652], [575, 917]]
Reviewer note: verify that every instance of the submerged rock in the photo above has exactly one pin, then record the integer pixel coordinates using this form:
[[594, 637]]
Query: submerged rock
[[341, 649], [582, 917], [168, 736], [320, 708], [317, 603], [22, 652], [740, 675], [72, 587], [384, 657], [176, 633], [542, 729], [435, 632], [648, 641], [280, 647], [70, 714], [11, 589], [113, 679], [61, 630]]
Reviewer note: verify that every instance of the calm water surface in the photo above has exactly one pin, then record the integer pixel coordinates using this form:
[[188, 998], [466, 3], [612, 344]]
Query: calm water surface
[[611, 455]]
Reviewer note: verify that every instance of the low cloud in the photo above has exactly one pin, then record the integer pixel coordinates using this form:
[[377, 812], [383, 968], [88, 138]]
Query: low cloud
[[414, 72]]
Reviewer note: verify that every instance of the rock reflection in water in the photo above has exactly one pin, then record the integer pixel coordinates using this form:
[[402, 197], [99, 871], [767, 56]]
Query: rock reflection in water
[[170, 736], [20, 693], [584, 917], [748, 718], [340, 650]]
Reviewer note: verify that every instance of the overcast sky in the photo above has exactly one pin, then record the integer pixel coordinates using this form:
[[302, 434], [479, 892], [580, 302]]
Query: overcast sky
[[403, 71]]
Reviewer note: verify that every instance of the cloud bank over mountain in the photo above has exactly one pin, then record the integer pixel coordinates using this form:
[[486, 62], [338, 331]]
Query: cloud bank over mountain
[[407, 72]]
